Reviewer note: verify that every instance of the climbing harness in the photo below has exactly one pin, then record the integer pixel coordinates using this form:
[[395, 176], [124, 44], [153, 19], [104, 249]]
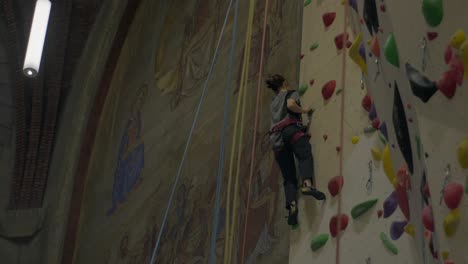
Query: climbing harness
[[229, 227], [256, 124], [189, 140], [222, 151]]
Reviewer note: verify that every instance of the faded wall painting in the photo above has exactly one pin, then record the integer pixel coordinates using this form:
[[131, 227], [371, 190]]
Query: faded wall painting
[[144, 128]]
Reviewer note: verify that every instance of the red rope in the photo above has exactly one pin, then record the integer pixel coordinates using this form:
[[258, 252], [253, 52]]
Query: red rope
[[343, 85], [254, 143]]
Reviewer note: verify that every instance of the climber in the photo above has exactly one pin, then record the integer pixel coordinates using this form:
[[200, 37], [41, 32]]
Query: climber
[[289, 139]]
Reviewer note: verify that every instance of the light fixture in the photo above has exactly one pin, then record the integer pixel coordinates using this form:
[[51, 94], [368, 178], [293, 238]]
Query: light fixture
[[37, 35]]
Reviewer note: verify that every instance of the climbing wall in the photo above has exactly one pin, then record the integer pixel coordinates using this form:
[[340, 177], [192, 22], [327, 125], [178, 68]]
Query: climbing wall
[[402, 127]]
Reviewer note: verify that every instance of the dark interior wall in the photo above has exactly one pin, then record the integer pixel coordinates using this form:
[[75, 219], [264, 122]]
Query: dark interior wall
[[144, 126]]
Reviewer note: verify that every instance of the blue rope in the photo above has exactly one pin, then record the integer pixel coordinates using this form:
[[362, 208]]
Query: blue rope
[[189, 140], [219, 179]]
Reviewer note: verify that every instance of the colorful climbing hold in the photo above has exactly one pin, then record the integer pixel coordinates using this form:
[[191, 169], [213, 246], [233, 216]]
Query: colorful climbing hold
[[452, 78], [325, 137], [383, 8], [341, 39], [376, 123], [391, 51], [383, 130], [314, 46], [318, 242], [375, 47], [370, 16], [451, 222], [335, 185], [426, 191], [372, 112], [328, 18], [388, 165], [311, 82], [453, 194], [361, 208], [368, 130], [338, 149], [302, 56], [432, 35], [445, 254], [421, 86], [376, 154], [388, 244], [379, 213], [339, 91], [355, 140], [303, 89], [433, 11], [402, 197], [397, 229], [382, 138], [353, 4], [362, 51], [457, 39], [409, 229], [390, 204], [428, 218], [307, 2], [448, 54], [366, 103], [464, 58], [328, 89], [355, 53], [348, 44], [341, 220]]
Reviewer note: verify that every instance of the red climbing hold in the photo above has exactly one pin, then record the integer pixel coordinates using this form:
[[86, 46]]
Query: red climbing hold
[[343, 221], [426, 191], [427, 218], [402, 196], [432, 35], [328, 18], [302, 56], [338, 149], [325, 137], [361, 21], [340, 40], [448, 54], [335, 185], [375, 47], [453, 195], [452, 77], [379, 213], [383, 8], [328, 89], [348, 44], [311, 82], [367, 103], [376, 123]]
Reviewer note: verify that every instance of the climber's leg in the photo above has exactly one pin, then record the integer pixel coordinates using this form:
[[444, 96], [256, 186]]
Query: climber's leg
[[285, 160]]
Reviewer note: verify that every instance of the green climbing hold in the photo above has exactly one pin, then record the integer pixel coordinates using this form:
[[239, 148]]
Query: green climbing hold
[[303, 89], [433, 11], [339, 91], [361, 208], [370, 129], [318, 242], [307, 2], [391, 51], [313, 46], [383, 139], [388, 244]]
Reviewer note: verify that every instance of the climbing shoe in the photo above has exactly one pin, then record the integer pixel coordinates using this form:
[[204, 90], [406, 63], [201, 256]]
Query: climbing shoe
[[292, 217], [307, 190]]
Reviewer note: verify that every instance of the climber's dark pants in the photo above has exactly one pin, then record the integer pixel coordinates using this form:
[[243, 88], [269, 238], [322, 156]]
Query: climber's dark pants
[[302, 150]]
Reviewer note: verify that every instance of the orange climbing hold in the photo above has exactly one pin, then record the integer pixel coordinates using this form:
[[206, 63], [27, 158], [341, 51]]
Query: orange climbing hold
[[328, 89], [375, 48], [335, 185], [453, 194], [343, 221], [328, 18]]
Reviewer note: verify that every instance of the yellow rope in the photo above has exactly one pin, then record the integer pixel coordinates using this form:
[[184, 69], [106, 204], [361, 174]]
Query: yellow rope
[[229, 227]]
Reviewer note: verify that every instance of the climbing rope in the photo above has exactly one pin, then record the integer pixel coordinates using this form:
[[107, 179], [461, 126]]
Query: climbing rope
[[342, 123], [189, 140], [219, 178], [254, 136], [229, 237]]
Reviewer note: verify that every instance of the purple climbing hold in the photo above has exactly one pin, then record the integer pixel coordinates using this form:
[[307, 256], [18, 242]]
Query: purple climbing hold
[[383, 130], [397, 229], [353, 4], [390, 204], [372, 112], [362, 51]]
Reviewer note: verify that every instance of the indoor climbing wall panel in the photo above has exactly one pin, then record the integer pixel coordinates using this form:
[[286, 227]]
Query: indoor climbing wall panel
[[403, 184]]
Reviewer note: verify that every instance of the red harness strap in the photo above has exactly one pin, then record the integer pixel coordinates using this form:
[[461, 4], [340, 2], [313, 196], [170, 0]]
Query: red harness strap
[[289, 121]]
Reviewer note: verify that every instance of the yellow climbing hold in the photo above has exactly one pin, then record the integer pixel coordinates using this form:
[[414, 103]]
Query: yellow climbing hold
[[355, 139], [457, 38], [354, 53], [376, 154], [388, 166], [464, 56], [451, 222], [409, 229], [445, 255], [369, 42], [462, 153]]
